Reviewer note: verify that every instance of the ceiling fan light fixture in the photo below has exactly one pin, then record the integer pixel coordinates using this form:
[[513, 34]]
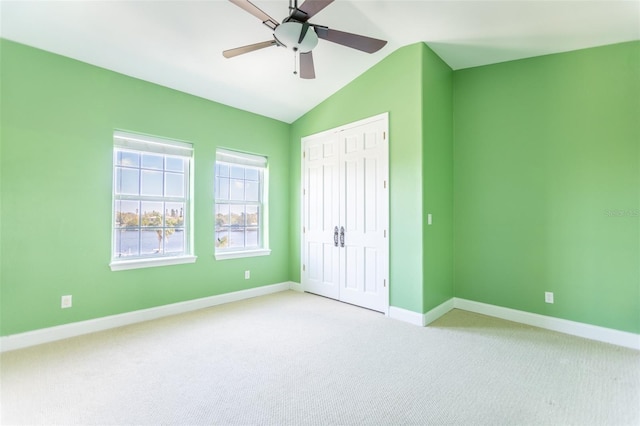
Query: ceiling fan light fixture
[[300, 36], [288, 34]]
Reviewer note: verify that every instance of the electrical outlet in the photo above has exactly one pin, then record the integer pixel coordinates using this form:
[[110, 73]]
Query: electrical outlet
[[548, 297], [66, 301], [247, 275]]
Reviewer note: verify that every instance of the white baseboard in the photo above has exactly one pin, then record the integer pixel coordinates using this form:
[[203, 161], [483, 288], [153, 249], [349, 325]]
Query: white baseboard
[[588, 331], [50, 334], [296, 287], [593, 332], [437, 312], [406, 316], [420, 319]]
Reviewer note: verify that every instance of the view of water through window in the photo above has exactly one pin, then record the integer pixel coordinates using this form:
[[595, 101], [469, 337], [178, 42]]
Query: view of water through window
[[238, 206], [148, 242], [150, 204]]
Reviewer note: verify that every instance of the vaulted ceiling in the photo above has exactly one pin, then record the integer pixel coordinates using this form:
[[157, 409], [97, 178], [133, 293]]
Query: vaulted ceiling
[[179, 43]]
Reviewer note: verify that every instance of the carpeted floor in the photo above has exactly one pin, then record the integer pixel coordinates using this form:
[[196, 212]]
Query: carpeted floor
[[293, 358]]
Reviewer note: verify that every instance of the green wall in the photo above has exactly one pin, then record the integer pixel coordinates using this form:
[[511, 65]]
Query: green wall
[[547, 185], [414, 86], [437, 179], [57, 122], [530, 169]]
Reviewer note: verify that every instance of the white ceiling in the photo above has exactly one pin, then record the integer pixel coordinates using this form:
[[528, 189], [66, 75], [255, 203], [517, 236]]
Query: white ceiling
[[179, 43]]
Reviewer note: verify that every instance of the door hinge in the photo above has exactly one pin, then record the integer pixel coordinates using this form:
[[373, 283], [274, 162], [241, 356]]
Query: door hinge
[[304, 191], [303, 267], [384, 135], [384, 282], [304, 154], [385, 184], [385, 233], [304, 230]]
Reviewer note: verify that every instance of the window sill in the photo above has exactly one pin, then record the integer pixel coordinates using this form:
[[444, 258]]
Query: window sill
[[239, 254], [123, 265]]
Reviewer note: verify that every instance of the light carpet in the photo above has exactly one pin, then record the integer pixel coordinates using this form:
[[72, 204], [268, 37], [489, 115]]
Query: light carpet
[[293, 358]]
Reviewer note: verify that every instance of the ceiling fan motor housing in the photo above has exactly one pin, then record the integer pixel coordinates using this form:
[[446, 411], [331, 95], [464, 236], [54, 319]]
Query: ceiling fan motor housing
[[288, 35]]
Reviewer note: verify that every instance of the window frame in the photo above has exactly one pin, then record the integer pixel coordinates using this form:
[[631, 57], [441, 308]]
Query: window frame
[[144, 144], [259, 162]]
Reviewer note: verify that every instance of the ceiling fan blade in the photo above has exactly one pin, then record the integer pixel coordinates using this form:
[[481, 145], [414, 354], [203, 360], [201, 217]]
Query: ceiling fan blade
[[249, 48], [311, 7], [306, 66], [355, 41], [257, 12]]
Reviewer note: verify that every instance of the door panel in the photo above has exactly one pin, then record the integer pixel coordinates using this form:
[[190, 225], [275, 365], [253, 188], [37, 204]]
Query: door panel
[[371, 183], [370, 270], [351, 201]]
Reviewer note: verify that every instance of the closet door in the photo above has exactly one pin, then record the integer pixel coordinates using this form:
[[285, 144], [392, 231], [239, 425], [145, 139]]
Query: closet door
[[345, 214], [321, 216], [363, 215]]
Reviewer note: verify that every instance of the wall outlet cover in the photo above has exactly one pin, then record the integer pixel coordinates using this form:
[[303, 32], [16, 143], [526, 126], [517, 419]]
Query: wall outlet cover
[[66, 301]]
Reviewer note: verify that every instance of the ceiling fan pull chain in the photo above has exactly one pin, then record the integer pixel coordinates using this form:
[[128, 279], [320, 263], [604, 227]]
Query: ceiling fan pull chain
[[295, 63]]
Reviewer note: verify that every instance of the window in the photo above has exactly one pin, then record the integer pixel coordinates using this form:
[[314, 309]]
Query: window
[[240, 205], [151, 202]]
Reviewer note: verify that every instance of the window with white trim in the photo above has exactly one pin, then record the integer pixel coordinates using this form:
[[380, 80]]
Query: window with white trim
[[151, 202], [240, 205]]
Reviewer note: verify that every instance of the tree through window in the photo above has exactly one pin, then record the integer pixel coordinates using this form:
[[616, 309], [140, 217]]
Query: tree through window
[[151, 198], [239, 202]]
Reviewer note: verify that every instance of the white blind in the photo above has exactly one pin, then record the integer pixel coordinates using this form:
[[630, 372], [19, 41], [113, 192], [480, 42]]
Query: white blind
[[151, 144], [241, 158]]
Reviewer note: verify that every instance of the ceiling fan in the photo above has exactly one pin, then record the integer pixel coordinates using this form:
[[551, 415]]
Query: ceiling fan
[[301, 36]]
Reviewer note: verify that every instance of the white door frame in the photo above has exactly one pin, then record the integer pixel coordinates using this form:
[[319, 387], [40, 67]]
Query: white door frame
[[384, 117]]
